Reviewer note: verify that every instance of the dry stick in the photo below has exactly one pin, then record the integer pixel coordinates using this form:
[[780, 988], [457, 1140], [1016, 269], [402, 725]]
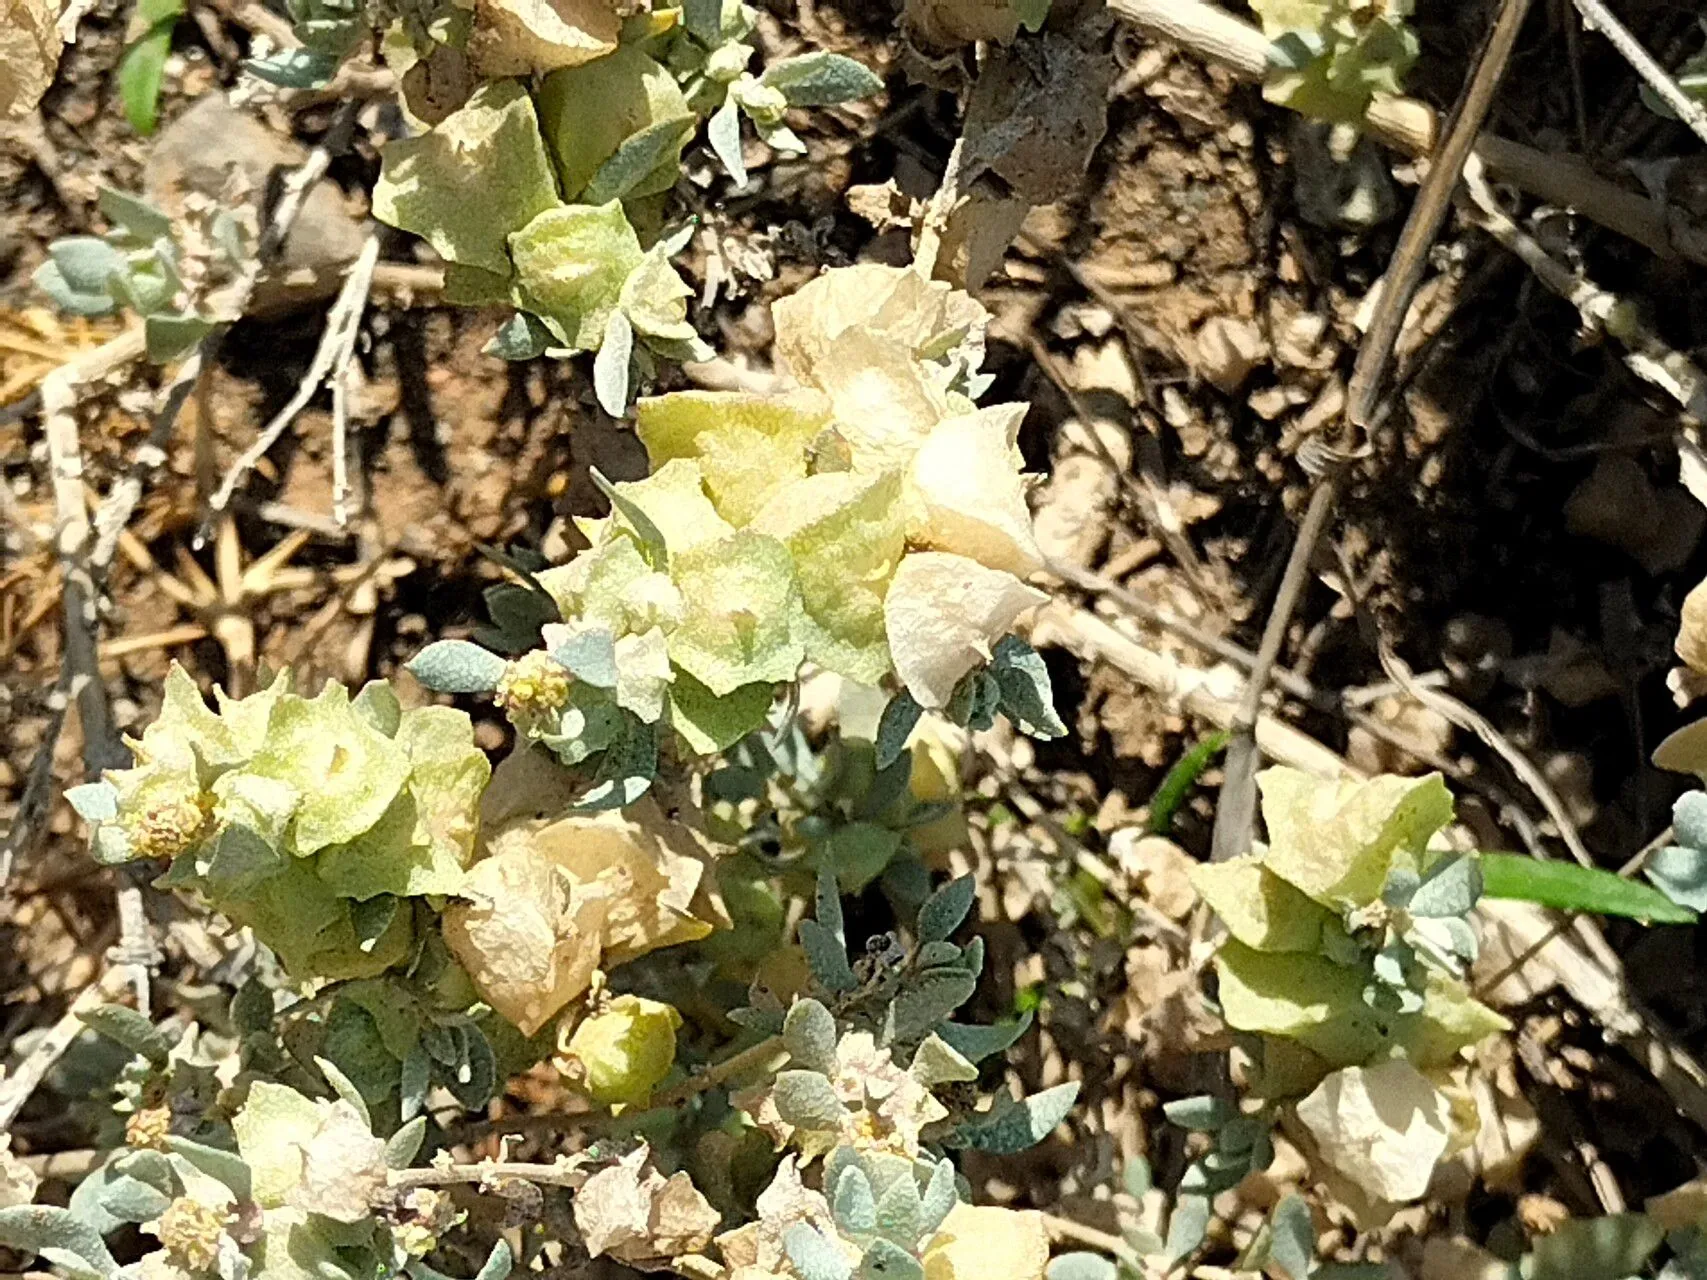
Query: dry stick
[[1065, 1229], [102, 748], [17, 1087], [1526, 927], [337, 344], [1409, 126], [39, 782], [562, 1173], [1235, 815], [1598, 17]]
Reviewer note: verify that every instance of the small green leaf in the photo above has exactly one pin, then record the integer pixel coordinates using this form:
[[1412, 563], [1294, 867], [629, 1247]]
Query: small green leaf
[[942, 1193], [134, 215], [94, 801], [341, 1084], [900, 714], [704, 21], [131, 1029], [638, 158], [724, 135], [141, 67], [170, 336], [1607, 1248], [625, 770], [1202, 1114], [613, 364], [87, 263], [898, 1210], [457, 666], [51, 281], [1569, 887], [926, 1000], [414, 1081], [975, 1043], [945, 909], [858, 852], [521, 337], [854, 1205], [1032, 13], [222, 1166], [651, 539], [821, 79], [827, 906]]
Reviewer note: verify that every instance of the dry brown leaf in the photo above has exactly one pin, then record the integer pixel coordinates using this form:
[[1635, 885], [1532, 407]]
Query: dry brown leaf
[[29, 53], [944, 24], [529, 937], [634, 1214], [518, 37]]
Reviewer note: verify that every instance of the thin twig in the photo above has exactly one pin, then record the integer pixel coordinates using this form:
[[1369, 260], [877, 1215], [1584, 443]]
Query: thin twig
[[763, 1056], [337, 344], [361, 277], [38, 785], [115, 510], [1597, 17], [1433, 202], [1065, 1229]]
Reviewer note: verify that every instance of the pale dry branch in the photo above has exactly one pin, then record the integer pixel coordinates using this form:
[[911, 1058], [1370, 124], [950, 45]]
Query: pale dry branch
[[1597, 17]]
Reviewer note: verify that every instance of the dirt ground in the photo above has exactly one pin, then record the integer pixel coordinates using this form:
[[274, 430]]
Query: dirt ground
[[1182, 322]]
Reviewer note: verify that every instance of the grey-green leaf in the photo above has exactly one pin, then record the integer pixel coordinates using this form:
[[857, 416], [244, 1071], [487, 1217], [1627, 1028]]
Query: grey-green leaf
[[613, 364], [343, 1088], [131, 1029], [724, 135], [413, 1082], [807, 1100], [1450, 888], [1606, 1248], [521, 337], [1011, 1126], [1680, 872], [50, 281], [404, 1145], [898, 1211], [941, 1195], [809, 1032], [55, 1233], [94, 801], [1027, 696], [1081, 1265], [638, 158], [138, 219], [925, 1001], [590, 656], [1292, 1237], [821, 79], [813, 1256], [132, 1200], [457, 666], [498, 1263], [168, 336], [1204, 1113], [87, 262], [1187, 1226], [221, 1165], [827, 957], [900, 715], [975, 1043], [854, 1206], [945, 909]]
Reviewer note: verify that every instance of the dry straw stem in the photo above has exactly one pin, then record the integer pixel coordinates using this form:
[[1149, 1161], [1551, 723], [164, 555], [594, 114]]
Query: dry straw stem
[[1520, 928], [1410, 126], [564, 1173], [16, 1088]]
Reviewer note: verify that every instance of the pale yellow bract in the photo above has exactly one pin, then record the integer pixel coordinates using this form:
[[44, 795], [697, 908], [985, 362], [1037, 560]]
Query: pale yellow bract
[[987, 1242]]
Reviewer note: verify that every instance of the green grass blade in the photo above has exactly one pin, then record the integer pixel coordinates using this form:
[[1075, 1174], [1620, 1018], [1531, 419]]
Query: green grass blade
[[1568, 887], [144, 62], [1180, 780]]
